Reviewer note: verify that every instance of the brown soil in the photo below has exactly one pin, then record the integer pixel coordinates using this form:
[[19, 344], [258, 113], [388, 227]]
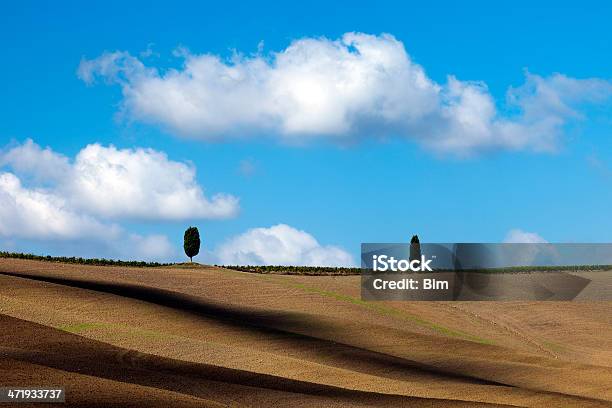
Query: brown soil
[[209, 337]]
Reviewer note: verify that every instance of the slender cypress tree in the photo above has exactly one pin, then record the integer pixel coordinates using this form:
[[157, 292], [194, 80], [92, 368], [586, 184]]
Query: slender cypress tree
[[415, 248], [191, 242]]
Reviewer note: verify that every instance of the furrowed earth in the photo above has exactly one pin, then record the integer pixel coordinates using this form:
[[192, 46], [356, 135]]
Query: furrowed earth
[[209, 337]]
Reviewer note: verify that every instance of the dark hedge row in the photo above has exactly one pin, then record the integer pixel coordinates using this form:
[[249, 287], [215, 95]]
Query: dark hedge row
[[322, 271], [82, 261], [279, 269], [295, 270], [574, 268]]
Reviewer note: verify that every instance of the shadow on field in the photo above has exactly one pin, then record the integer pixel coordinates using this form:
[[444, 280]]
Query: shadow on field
[[45, 346], [283, 326]]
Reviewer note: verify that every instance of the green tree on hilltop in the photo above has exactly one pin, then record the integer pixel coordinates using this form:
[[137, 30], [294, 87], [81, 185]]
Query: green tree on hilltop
[[415, 248], [191, 242]]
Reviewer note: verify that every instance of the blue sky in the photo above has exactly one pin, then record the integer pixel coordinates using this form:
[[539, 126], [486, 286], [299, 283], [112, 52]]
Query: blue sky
[[379, 181]]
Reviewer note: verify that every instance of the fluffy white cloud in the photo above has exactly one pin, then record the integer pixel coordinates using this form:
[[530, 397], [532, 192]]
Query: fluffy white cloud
[[359, 85], [37, 214], [121, 183], [78, 202], [280, 245], [29, 158], [517, 236], [142, 183], [33, 213]]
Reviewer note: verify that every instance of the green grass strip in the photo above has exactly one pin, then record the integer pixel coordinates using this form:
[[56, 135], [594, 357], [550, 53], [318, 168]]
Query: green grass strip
[[81, 327], [385, 310]]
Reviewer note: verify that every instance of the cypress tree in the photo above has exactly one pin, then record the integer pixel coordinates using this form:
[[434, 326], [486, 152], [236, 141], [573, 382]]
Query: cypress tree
[[191, 242], [415, 248]]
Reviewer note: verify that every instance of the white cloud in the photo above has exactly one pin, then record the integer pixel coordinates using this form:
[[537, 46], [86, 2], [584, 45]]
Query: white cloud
[[142, 183], [342, 89], [280, 245], [33, 213], [517, 236], [40, 215], [29, 158], [78, 202], [121, 183]]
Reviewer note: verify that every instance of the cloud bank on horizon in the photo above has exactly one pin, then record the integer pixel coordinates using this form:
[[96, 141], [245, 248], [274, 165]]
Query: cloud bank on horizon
[[280, 245], [50, 197], [84, 198], [342, 90]]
